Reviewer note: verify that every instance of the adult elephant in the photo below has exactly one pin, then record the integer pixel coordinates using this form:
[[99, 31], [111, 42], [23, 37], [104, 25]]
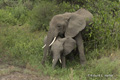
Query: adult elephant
[[68, 25]]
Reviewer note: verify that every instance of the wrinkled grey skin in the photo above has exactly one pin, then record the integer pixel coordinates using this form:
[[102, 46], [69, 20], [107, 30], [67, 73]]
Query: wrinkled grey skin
[[49, 50], [69, 25], [60, 48]]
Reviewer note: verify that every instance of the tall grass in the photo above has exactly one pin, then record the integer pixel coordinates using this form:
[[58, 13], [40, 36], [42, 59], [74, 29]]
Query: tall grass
[[20, 44], [21, 47]]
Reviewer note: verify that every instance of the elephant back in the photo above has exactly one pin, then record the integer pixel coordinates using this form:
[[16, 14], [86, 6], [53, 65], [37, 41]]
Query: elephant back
[[86, 14]]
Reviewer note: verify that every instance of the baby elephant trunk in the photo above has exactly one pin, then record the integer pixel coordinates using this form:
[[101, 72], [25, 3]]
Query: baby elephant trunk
[[55, 60]]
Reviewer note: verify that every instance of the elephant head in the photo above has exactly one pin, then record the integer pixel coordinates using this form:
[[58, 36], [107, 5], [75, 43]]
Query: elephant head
[[62, 47], [68, 25]]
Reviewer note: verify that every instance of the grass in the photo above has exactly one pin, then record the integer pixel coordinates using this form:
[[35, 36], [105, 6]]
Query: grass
[[19, 46]]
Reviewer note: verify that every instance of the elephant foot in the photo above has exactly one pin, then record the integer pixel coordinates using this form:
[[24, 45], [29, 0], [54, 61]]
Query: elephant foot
[[63, 66], [53, 67], [43, 63], [63, 62], [83, 63]]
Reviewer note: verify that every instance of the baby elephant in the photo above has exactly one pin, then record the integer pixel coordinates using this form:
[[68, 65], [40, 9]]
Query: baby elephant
[[60, 48]]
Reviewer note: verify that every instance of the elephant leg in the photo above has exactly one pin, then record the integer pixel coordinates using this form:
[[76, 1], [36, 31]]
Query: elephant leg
[[44, 58], [80, 46], [63, 62]]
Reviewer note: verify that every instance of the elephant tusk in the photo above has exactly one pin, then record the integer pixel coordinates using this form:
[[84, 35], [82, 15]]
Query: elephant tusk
[[52, 41], [44, 46], [52, 60], [60, 60]]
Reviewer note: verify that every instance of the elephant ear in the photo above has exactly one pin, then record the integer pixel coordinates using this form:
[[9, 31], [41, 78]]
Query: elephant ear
[[76, 24], [69, 45]]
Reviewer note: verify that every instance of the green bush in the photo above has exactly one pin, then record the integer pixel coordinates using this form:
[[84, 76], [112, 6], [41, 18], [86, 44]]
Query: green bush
[[41, 15], [20, 13], [44, 11], [7, 17], [21, 44], [13, 16], [14, 12], [104, 33]]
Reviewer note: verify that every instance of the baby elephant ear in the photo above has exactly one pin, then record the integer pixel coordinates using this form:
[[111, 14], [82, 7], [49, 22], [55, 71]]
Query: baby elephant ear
[[69, 45], [76, 24]]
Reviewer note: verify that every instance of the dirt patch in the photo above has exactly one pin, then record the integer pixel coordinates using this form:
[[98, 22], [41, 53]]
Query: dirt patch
[[21, 76], [8, 72]]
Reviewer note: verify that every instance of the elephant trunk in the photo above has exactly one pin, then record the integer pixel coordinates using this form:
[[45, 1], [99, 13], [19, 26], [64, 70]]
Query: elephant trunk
[[50, 36], [54, 62], [56, 58]]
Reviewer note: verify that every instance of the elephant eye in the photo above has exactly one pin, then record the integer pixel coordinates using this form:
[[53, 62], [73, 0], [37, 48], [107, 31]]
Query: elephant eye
[[58, 26]]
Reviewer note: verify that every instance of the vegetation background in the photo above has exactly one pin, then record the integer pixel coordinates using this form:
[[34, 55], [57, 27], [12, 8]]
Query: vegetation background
[[24, 24]]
